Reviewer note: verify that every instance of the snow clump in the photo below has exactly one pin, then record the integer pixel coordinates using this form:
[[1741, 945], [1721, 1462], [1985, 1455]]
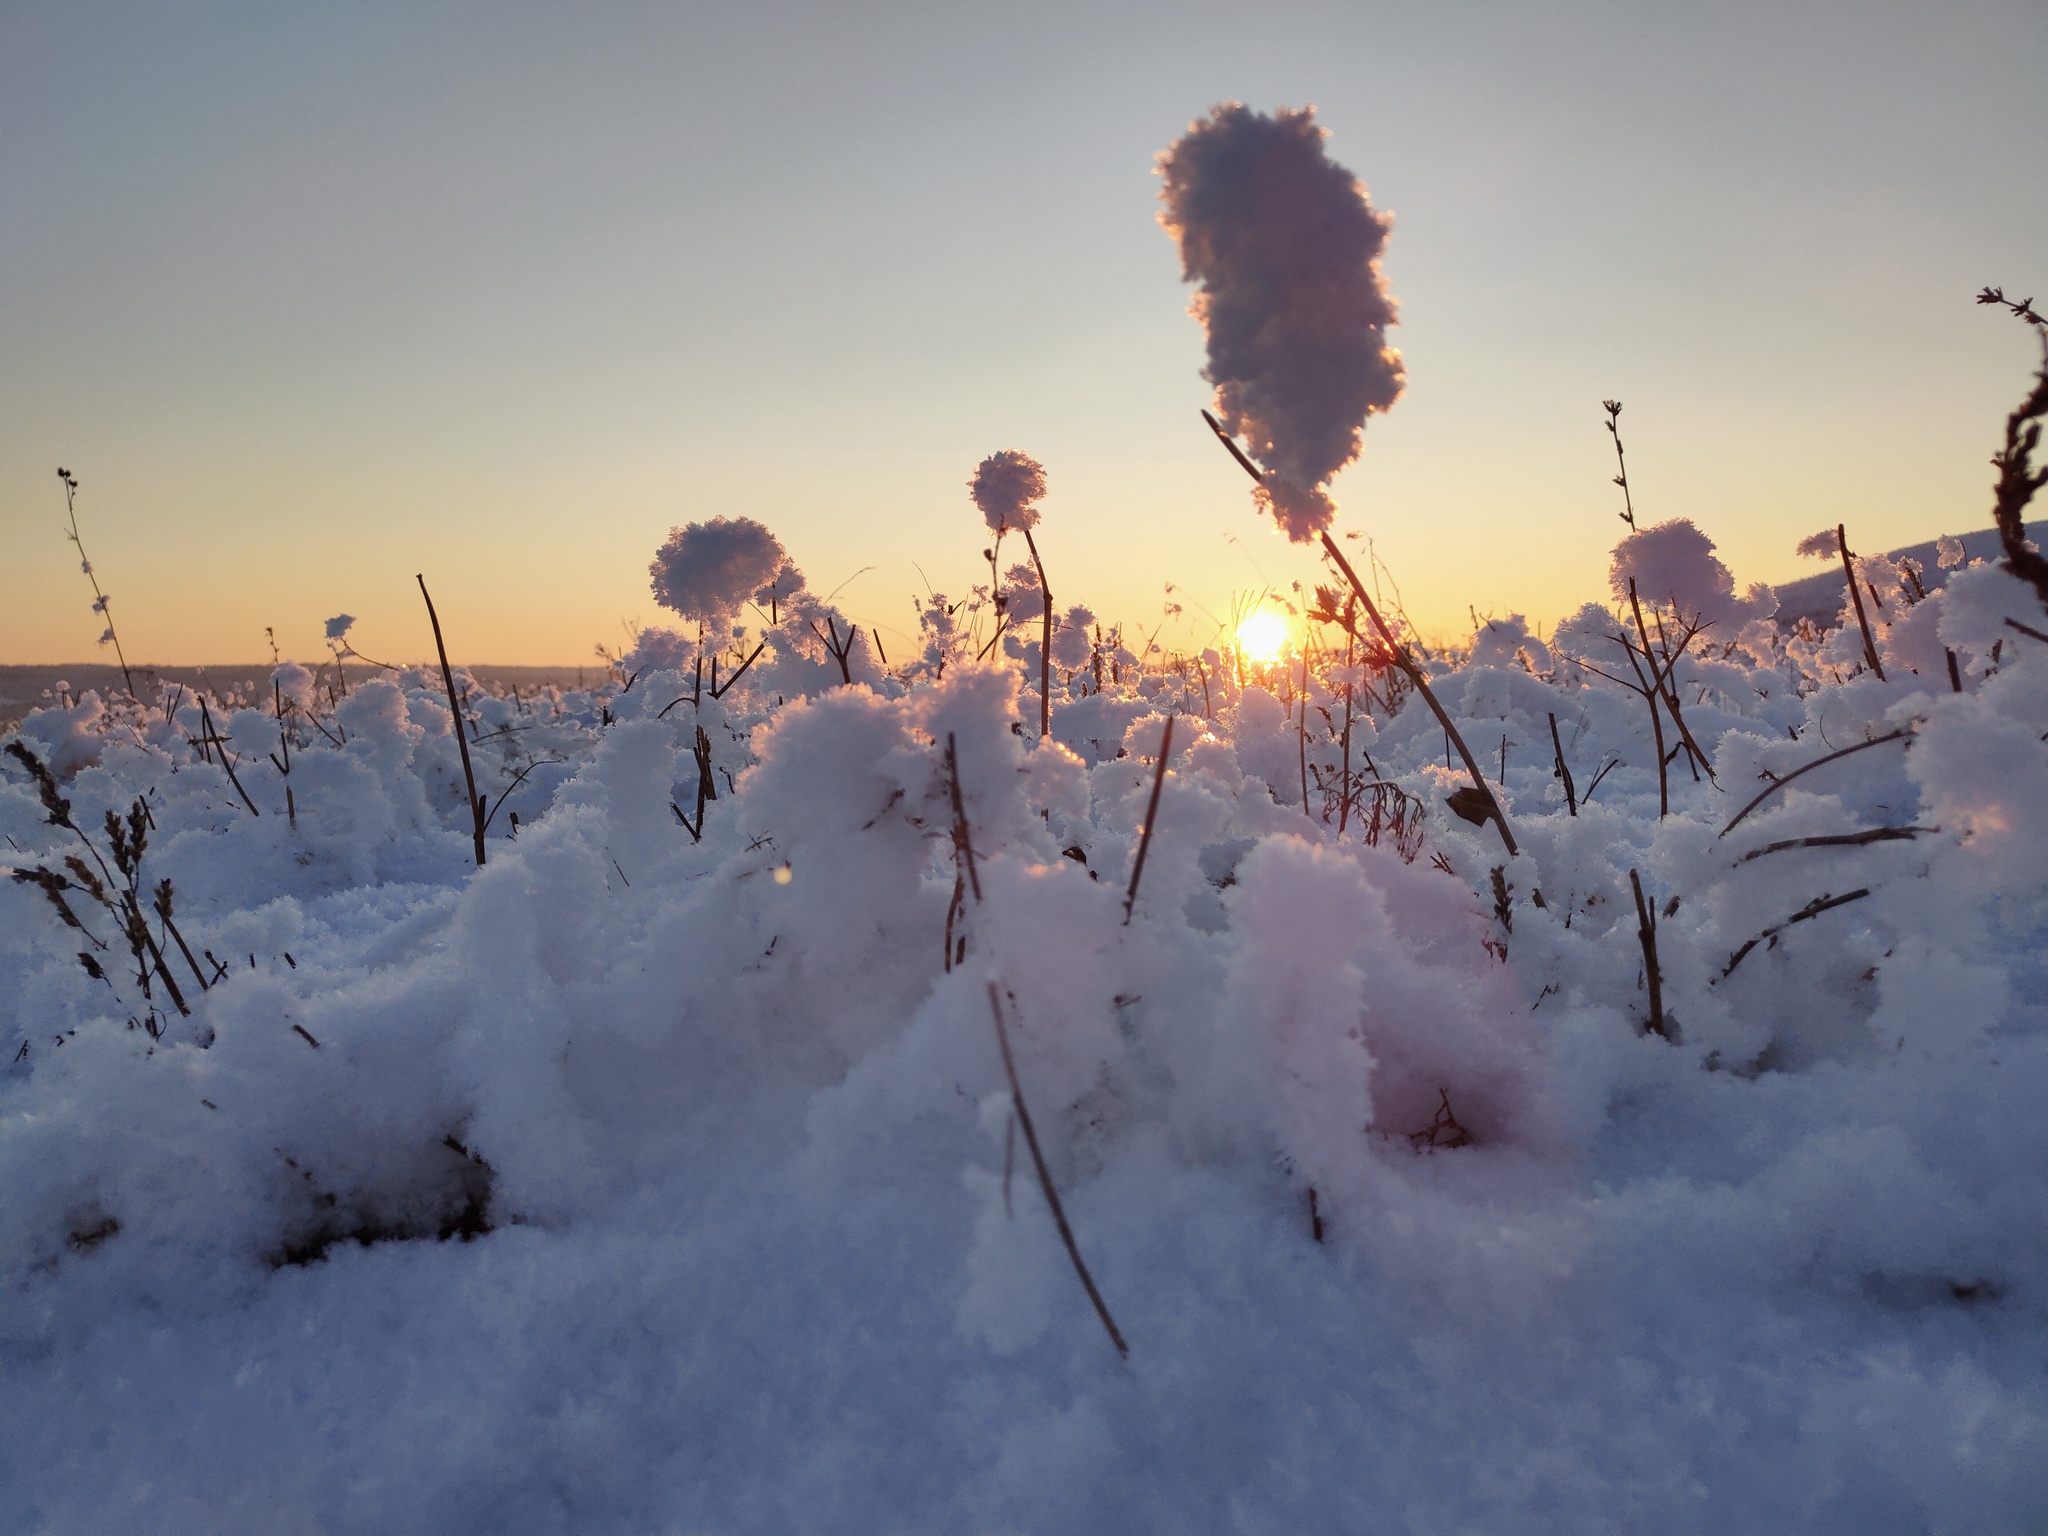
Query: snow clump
[[1285, 245], [1008, 486], [710, 571]]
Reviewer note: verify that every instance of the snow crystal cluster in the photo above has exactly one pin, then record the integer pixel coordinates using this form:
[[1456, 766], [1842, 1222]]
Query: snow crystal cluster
[[1286, 246]]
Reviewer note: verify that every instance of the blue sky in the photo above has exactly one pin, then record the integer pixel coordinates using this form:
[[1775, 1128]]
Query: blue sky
[[312, 298]]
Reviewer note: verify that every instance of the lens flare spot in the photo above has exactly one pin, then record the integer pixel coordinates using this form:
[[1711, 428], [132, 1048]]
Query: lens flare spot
[[1262, 636], [782, 874]]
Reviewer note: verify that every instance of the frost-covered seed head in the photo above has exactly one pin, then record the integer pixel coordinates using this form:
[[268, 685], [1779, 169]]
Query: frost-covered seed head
[[338, 626], [1286, 248], [708, 571], [1817, 546], [1007, 487], [1673, 566]]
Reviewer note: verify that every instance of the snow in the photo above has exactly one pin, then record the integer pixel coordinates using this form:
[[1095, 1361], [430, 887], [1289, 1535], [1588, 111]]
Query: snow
[[710, 570], [1007, 487], [1285, 246], [643, 1183]]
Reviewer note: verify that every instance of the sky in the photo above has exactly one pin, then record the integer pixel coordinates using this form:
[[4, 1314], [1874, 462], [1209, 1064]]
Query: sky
[[313, 298]]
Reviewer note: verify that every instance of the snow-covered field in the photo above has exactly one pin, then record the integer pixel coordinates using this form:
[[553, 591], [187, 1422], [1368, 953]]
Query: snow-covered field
[[1684, 1171], [643, 1184]]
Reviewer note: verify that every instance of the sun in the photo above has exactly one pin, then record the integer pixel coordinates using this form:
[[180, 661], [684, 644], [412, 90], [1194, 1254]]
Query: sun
[[1262, 636]]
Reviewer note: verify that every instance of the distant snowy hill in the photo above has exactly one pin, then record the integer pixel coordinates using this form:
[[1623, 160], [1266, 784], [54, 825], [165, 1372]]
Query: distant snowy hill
[[1819, 597]]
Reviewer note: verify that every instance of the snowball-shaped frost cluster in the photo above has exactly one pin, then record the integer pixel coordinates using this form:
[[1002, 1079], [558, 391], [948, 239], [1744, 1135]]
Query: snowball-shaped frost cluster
[[1673, 566], [1503, 642], [1286, 248], [1071, 646], [708, 571], [1817, 546], [1007, 487], [661, 649]]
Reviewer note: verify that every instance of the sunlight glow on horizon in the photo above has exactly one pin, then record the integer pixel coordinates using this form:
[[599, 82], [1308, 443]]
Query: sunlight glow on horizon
[[1263, 636]]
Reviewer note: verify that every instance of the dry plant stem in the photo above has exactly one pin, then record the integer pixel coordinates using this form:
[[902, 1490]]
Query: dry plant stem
[[156, 954], [740, 671], [1646, 931], [2027, 629], [163, 909], [1651, 695], [2022, 309], [1421, 683], [1628, 515], [1151, 820], [839, 651], [1350, 651], [963, 837], [2018, 480], [1807, 913], [707, 787], [1344, 783], [1564, 772], [1862, 619], [1695, 757], [1819, 762], [1840, 840], [1044, 642], [1611, 764], [214, 737], [1301, 733], [99, 597], [476, 805], [1052, 1197]]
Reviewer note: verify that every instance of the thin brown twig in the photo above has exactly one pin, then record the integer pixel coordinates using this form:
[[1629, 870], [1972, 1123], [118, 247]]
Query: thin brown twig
[[1840, 840], [963, 837], [1646, 933], [213, 736], [1695, 756], [476, 804], [1152, 820], [718, 692], [1819, 762], [1856, 596], [1807, 913], [1052, 1195], [1044, 642], [1564, 772]]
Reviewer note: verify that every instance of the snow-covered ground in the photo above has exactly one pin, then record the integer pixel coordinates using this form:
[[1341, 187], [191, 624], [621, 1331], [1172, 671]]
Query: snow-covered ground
[[641, 1183]]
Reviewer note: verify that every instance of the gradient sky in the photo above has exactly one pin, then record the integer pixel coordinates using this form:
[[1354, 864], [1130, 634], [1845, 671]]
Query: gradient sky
[[315, 297]]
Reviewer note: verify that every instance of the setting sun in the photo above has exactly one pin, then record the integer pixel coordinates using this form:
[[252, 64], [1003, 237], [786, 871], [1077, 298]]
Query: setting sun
[[1262, 636]]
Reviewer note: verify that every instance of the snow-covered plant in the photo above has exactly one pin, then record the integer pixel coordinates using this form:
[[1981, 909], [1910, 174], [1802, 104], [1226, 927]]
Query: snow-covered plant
[[710, 571], [1007, 487], [1286, 246], [1673, 568]]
